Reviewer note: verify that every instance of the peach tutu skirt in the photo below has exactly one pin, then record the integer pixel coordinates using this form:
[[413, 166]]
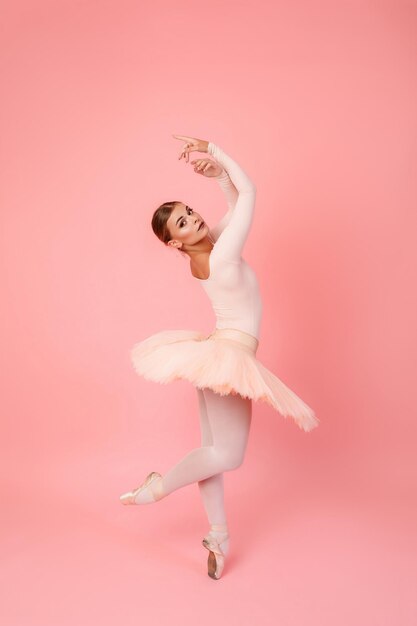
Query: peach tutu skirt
[[224, 361]]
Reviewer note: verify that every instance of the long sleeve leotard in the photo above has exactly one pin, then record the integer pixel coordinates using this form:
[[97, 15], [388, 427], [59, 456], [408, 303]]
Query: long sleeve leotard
[[232, 285]]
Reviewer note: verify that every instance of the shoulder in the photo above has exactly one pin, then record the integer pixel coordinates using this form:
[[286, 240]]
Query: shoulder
[[200, 266]]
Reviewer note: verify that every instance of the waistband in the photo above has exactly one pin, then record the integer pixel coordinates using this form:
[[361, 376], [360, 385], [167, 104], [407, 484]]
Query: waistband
[[237, 336]]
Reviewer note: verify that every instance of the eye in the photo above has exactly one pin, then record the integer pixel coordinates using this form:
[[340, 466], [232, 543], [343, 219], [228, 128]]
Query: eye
[[189, 211]]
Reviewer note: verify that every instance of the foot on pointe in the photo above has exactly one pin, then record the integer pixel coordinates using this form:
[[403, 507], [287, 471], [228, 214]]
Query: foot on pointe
[[221, 533]]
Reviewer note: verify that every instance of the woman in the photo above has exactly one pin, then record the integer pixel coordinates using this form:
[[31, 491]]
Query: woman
[[222, 366]]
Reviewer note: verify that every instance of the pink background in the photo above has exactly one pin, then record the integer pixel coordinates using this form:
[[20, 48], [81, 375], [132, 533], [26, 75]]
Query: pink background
[[317, 100]]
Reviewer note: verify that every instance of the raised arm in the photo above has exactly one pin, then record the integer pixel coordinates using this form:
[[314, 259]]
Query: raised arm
[[233, 237], [231, 195]]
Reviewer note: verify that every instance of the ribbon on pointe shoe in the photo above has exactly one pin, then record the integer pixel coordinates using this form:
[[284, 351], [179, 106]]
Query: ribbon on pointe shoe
[[155, 486], [129, 498], [150, 478], [212, 544]]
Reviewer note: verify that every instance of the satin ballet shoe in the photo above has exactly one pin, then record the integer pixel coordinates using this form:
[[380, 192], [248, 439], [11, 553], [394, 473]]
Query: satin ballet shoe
[[216, 557], [129, 497]]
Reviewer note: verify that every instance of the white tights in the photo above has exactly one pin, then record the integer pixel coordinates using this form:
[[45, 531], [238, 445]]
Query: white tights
[[225, 423]]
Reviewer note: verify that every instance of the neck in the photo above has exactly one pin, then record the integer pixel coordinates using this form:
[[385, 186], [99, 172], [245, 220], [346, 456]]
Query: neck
[[205, 245]]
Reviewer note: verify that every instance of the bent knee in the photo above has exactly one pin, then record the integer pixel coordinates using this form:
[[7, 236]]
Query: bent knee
[[232, 462]]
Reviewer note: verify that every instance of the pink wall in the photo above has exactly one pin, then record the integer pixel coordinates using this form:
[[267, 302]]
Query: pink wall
[[317, 100]]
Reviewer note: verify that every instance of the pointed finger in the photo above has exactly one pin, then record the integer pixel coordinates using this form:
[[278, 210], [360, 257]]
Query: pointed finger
[[183, 137]]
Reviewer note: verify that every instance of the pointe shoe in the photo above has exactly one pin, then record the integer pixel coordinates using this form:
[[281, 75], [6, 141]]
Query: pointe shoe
[[216, 557], [129, 497]]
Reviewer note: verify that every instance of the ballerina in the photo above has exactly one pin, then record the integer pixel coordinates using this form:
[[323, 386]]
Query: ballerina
[[222, 366]]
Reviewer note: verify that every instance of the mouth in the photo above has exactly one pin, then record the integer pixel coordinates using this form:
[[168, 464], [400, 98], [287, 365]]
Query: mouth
[[201, 225]]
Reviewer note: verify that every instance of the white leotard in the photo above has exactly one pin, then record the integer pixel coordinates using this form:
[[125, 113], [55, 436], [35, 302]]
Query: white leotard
[[232, 285]]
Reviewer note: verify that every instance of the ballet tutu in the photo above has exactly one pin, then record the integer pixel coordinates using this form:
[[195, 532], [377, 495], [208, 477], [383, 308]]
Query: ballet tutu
[[224, 361]]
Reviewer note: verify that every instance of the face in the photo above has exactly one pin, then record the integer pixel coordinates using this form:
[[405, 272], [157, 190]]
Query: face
[[186, 226]]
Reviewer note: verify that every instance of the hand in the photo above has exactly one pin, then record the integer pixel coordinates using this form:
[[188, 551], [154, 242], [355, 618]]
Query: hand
[[192, 144], [207, 167]]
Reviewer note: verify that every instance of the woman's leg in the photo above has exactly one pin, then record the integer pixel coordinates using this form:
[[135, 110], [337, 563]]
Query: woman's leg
[[212, 488], [230, 418]]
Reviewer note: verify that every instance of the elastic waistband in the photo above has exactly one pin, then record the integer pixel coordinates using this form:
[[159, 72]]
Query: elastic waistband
[[237, 336]]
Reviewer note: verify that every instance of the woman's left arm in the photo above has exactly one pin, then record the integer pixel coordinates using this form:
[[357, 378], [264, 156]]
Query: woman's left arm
[[232, 240], [231, 195], [239, 220]]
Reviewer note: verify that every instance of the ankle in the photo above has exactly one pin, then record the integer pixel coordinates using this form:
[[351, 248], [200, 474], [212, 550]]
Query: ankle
[[157, 489], [221, 533], [219, 528]]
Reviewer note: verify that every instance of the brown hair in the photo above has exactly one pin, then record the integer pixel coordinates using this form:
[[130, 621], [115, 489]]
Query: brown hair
[[160, 218]]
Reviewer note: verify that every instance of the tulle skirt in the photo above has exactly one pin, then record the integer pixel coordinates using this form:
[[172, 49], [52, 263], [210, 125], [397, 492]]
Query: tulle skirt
[[224, 361]]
